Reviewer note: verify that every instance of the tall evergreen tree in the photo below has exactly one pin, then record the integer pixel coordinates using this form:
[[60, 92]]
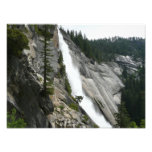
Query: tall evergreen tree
[[122, 116], [48, 82]]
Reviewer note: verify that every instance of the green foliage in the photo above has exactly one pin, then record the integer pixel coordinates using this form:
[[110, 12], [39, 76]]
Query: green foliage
[[95, 126], [36, 29], [74, 106], [78, 126], [134, 95], [133, 125], [40, 30], [85, 117], [142, 123], [16, 42], [40, 79], [73, 98], [61, 107], [13, 122], [67, 86], [50, 91], [62, 72], [122, 116], [60, 60], [78, 99], [46, 53]]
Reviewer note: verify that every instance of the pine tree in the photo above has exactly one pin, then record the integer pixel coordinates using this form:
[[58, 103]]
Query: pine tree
[[47, 69], [122, 117]]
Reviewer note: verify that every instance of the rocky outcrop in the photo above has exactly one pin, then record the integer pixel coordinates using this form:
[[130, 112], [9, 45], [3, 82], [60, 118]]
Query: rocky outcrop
[[128, 63], [64, 116], [55, 38]]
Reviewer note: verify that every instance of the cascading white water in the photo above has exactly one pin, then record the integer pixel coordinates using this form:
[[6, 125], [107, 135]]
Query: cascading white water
[[76, 85]]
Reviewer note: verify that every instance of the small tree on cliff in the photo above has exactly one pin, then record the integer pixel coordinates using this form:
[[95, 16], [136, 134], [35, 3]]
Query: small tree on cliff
[[78, 98], [47, 69]]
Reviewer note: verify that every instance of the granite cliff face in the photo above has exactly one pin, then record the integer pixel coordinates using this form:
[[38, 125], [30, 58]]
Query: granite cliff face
[[100, 82], [128, 63], [25, 82]]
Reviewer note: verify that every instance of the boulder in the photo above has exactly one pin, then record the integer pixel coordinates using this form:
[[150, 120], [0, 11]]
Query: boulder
[[46, 105]]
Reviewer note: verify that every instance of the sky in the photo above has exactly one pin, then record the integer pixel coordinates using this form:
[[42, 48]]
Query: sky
[[106, 31]]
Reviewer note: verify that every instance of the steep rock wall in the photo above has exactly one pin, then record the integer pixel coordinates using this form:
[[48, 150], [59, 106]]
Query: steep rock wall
[[25, 82], [101, 82]]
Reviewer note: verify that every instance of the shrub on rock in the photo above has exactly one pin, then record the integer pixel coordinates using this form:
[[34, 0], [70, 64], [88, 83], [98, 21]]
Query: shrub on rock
[[16, 41], [13, 122]]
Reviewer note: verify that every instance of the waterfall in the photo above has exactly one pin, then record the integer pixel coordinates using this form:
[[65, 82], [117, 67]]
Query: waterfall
[[76, 85]]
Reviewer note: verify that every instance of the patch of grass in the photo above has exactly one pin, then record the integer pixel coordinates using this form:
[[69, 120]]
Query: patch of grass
[[73, 98], [74, 106], [50, 91], [85, 117], [36, 29], [67, 86], [95, 126], [40, 79], [78, 126], [58, 74], [61, 107]]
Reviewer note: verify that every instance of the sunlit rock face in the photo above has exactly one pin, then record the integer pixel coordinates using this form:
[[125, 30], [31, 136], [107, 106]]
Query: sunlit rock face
[[100, 82], [128, 63], [104, 86]]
